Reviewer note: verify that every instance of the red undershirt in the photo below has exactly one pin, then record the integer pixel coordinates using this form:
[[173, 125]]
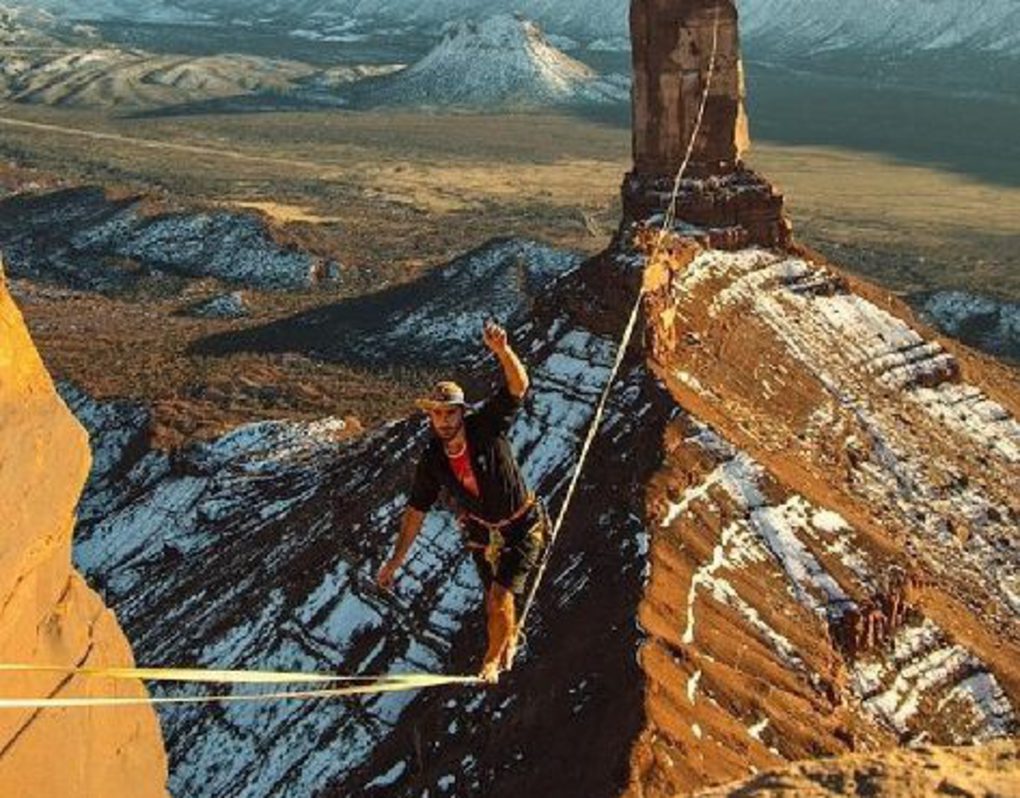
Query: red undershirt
[[461, 466]]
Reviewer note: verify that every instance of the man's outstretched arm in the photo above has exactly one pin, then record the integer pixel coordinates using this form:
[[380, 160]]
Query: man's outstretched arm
[[410, 526], [517, 381]]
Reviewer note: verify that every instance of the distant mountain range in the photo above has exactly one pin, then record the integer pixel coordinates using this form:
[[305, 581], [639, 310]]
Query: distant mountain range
[[793, 27], [31, 27], [502, 63]]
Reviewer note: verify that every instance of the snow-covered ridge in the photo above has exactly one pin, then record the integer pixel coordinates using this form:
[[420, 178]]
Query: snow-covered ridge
[[64, 236], [435, 321], [877, 369], [814, 553], [793, 27], [796, 28], [981, 321], [289, 523]]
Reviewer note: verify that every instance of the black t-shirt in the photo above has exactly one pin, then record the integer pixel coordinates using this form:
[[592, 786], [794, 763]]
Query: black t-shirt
[[501, 485]]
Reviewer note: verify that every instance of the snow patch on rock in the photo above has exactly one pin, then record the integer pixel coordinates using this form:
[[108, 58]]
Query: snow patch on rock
[[981, 321], [875, 366], [225, 306], [925, 675]]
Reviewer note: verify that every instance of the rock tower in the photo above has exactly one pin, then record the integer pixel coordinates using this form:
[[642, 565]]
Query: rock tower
[[677, 44]]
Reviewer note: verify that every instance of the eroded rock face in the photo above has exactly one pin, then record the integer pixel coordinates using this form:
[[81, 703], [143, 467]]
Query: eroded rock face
[[906, 773], [834, 526], [673, 46], [47, 612], [672, 54], [779, 550], [289, 521]]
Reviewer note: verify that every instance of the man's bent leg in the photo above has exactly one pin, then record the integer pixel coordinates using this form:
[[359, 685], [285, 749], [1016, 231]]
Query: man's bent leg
[[502, 618]]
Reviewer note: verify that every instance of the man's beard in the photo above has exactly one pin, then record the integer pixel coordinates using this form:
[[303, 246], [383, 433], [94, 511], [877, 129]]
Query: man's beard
[[447, 434]]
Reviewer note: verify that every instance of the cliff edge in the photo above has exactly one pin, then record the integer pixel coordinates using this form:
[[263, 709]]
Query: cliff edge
[[48, 615]]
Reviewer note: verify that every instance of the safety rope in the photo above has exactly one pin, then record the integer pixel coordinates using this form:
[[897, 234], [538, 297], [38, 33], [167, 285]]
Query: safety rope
[[628, 333], [362, 685]]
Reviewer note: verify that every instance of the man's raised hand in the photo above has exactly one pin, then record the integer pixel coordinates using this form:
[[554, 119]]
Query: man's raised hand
[[495, 337]]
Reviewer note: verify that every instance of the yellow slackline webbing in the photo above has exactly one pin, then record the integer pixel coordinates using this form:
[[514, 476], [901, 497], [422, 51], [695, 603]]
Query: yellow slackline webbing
[[668, 220], [391, 684], [362, 685], [201, 675]]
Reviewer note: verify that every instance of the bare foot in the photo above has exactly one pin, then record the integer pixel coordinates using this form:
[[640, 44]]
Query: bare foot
[[489, 672], [506, 662]]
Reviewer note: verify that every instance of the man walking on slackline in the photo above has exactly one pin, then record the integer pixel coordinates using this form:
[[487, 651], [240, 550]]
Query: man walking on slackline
[[503, 524]]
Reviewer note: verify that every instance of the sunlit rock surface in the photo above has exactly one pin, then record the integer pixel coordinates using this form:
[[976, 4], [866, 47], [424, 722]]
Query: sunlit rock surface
[[48, 615]]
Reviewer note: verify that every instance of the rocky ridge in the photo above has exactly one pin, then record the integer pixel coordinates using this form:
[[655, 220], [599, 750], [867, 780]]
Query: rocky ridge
[[48, 60], [827, 438], [307, 556], [83, 238], [430, 321], [980, 321], [778, 497], [914, 773], [781, 26], [33, 27], [103, 76], [911, 25]]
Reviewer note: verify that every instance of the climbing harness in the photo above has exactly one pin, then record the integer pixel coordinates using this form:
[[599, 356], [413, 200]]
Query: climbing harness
[[362, 685], [496, 540]]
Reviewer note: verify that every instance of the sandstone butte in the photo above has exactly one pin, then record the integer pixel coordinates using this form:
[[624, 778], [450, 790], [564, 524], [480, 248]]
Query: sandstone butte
[[47, 612]]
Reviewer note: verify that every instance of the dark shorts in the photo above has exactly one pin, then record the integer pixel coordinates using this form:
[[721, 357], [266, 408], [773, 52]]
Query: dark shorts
[[522, 552]]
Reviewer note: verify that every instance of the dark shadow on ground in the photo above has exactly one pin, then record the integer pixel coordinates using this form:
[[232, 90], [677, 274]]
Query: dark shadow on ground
[[969, 135], [877, 108], [435, 320]]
